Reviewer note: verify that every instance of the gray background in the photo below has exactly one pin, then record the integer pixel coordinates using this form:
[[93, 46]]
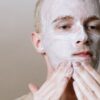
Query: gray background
[[19, 62]]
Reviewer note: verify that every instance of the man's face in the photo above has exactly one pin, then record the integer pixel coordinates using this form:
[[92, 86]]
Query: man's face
[[71, 30]]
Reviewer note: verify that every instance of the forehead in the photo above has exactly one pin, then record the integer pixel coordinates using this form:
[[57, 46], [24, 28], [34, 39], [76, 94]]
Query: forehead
[[76, 8]]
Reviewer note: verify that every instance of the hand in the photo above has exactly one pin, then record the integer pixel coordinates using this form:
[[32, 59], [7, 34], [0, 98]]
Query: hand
[[54, 87], [86, 82]]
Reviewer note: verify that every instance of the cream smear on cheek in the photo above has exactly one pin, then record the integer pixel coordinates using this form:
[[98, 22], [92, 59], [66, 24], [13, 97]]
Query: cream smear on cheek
[[60, 47]]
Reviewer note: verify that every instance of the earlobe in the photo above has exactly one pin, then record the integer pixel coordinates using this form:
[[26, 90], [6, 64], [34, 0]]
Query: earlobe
[[41, 50], [36, 39]]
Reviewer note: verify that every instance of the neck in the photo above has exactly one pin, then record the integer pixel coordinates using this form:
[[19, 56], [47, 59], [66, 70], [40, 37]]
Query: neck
[[69, 93]]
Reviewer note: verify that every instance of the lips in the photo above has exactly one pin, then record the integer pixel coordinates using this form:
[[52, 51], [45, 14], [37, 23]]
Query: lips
[[83, 54]]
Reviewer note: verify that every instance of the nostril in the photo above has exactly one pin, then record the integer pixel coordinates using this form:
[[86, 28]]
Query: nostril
[[78, 42], [84, 42], [88, 42]]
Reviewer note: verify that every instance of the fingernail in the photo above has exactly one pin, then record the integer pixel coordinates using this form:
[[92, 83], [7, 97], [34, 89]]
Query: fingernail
[[77, 64], [68, 66], [69, 72]]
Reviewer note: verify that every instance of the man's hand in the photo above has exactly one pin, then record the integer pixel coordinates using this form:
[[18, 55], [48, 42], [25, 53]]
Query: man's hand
[[54, 87], [86, 82]]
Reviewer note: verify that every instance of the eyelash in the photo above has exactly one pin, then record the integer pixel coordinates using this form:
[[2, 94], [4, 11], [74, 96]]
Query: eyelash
[[68, 27], [92, 27], [65, 27]]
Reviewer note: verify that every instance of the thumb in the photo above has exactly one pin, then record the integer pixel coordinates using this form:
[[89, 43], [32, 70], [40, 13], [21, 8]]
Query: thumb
[[33, 88]]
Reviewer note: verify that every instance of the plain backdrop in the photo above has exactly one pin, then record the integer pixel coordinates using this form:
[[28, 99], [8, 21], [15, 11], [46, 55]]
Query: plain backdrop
[[19, 62]]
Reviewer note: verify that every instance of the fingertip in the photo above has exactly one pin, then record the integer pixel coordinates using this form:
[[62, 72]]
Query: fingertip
[[32, 87], [70, 70]]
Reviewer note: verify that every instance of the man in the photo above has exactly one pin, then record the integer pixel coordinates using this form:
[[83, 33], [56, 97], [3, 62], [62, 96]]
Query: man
[[67, 34]]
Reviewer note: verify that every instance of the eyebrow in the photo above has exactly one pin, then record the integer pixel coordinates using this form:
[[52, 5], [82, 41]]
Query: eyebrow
[[63, 18], [87, 20], [90, 19]]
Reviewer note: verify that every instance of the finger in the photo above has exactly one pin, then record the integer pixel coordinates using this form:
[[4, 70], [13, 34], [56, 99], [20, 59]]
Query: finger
[[50, 95], [59, 79], [92, 71], [57, 82], [33, 88], [46, 91], [64, 71], [61, 88], [88, 79], [84, 88], [56, 75], [54, 91], [52, 79], [78, 92]]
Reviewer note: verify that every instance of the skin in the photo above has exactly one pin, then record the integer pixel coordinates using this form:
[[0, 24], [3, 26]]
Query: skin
[[67, 38], [86, 82], [72, 28]]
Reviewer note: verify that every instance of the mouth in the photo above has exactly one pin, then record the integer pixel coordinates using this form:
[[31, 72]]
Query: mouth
[[84, 54]]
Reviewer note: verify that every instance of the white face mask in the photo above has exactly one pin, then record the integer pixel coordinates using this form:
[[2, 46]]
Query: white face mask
[[61, 44]]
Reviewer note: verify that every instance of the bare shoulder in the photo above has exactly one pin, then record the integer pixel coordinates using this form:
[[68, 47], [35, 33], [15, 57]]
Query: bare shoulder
[[26, 97]]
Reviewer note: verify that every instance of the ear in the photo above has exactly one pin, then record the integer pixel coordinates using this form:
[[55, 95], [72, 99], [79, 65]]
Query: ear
[[36, 40]]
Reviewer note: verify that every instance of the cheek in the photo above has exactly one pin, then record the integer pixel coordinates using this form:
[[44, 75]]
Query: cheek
[[58, 50], [95, 46], [96, 41]]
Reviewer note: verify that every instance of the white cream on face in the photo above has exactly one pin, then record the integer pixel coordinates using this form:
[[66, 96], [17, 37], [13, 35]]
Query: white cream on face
[[61, 44]]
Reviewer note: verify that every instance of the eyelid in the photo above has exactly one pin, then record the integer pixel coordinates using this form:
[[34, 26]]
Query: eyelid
[[63, 18], [93, 26], [67, 23], [63, 27], [96, 22]]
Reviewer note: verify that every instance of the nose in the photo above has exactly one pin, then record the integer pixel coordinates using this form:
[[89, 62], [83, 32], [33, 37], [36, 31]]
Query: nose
[[82, 38]]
